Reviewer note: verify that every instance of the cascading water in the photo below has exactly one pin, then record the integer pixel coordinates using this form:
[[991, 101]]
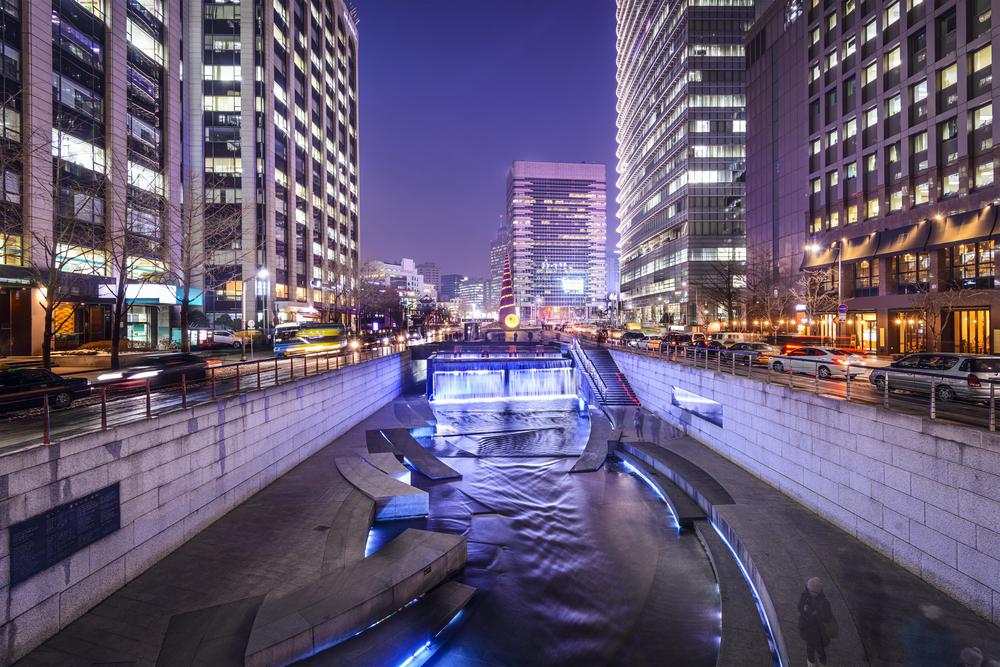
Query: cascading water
[[542, 382], [485, 379], [468, 384]]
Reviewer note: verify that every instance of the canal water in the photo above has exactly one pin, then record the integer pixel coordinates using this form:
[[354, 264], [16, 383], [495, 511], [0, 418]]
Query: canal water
[[571, 569]]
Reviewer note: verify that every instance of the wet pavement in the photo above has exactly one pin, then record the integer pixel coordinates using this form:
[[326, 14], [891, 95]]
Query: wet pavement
[[582, 569]]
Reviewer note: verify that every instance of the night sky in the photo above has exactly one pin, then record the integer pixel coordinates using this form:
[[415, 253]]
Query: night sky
[[451, 92]]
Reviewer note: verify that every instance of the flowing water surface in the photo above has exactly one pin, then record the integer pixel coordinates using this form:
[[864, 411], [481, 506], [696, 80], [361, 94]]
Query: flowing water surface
[[571, 569]]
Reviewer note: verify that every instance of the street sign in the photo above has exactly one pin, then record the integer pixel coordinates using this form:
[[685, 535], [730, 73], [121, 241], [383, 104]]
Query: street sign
[[842, 312]]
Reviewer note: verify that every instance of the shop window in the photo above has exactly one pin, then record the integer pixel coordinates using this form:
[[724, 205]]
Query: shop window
[[910, 271], [866, 278], [970, 265]]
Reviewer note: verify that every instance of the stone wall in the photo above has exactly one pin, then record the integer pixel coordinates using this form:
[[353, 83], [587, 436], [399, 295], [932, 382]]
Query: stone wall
[[924, 493], [178, 473]]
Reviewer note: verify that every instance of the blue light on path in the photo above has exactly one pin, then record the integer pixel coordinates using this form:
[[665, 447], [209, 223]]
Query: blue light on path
[[638, 473]]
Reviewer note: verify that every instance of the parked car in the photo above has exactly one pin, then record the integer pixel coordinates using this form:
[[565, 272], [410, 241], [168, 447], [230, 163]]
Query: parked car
[[822, 361], [26, 387], [952, 375], [754, 353], [226, 338], [711, 347], [632, 338], [159, 369]]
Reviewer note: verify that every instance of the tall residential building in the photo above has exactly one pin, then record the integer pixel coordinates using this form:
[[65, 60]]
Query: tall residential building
[[557, 225], [273, 90], [90, 96], [681, 150], [498, 249], [777, 114], [431, 273], [901, 211]]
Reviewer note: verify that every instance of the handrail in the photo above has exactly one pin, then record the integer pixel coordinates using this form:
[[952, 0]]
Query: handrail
[[983, 390], [588, 365]]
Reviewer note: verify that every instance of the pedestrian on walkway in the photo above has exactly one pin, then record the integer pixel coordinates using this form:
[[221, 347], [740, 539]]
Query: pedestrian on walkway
[[515, 336], [531, 336], [927, 641], [816, 622], [637, 421]]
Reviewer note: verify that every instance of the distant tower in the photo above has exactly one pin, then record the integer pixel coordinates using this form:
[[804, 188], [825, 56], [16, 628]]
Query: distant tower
[[508, 312]]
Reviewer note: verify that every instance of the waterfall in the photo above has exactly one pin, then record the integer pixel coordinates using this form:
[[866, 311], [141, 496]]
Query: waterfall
[[479, 384]]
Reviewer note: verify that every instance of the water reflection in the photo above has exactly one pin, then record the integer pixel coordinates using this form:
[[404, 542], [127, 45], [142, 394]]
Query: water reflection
[[583, 569]]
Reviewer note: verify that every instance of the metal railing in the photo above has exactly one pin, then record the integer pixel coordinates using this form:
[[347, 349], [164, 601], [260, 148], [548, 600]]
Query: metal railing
[[117, 400], [590, 369], [966, 398]]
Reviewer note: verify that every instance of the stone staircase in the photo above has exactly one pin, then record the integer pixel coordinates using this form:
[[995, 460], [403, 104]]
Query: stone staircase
[[615, 389]]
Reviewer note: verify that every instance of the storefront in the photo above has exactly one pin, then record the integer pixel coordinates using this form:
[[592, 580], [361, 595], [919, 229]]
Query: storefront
[[15, 317], [865, 331], [907, 332], [968, 331]]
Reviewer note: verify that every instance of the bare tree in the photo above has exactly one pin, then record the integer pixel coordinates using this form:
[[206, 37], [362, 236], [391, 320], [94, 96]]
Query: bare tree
[[204, 224], [769, 294], [724, 287], [935, 309], [813, 290]]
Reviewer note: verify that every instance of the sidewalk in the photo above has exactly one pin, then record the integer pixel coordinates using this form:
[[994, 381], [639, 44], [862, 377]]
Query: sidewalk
[[886, 614]]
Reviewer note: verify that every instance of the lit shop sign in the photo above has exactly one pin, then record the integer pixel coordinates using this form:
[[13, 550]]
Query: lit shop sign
[[161, 294], [572, 285]]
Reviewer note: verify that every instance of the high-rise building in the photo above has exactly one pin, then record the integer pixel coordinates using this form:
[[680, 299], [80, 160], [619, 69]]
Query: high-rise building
[[470, 294], [431, 273], [273, 89], [776, 157], [404, 276], [90, 96], [900, 217], [557, 226], [264, 133], [681, 150], [449, 286], [498, 249]]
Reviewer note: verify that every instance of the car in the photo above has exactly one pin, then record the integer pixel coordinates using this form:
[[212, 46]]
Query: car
[[226, 338], [631, 338], [26, 387], [953, 376], [754, 353], [158, 370], [824, 362]]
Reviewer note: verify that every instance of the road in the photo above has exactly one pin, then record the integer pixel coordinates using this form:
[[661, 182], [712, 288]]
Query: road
[[25, 427]]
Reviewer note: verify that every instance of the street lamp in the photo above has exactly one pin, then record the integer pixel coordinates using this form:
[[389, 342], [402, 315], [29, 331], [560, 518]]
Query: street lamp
[[839, 245]]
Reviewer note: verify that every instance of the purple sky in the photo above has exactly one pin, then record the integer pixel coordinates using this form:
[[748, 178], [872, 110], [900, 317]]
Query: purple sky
[[451, 92]]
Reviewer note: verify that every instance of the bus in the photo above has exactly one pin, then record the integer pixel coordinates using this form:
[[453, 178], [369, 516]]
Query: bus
[[308, 338]]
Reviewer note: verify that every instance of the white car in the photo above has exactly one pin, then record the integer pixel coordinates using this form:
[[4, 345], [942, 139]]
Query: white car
[[825, 362], [226, 338]]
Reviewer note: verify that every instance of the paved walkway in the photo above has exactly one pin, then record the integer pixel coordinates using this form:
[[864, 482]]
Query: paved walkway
[[887, 615], [282, 538]]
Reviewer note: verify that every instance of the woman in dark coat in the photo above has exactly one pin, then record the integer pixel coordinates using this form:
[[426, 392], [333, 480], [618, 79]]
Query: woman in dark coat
[[815, 617]]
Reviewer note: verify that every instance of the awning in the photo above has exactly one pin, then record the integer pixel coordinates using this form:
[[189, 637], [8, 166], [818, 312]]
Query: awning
[[912, 238], [968, 226], [860, 247], [823, 257]]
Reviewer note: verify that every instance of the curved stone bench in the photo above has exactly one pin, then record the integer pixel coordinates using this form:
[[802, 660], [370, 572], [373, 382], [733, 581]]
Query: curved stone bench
[[300, 623], [765, 533], [389, 464], [393, 499], [602, 431], [421, 459]]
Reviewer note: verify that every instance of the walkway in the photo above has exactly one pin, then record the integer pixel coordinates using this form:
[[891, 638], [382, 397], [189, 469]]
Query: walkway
[[307, 523], [879, 606]]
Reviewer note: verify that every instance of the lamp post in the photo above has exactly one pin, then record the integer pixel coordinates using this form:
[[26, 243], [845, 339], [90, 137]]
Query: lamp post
[[260, 277], [839, 245]]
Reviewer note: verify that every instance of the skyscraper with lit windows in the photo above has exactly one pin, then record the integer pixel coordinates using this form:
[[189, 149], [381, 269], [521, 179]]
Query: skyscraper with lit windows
[[557, 231], [681, 151]]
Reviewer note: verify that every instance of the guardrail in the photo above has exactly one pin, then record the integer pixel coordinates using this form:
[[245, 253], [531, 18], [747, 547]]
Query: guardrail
[[966, 397], [205, 385]]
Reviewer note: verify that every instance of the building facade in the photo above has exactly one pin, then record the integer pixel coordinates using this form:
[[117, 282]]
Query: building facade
[[498, 250], [557, 230], [273, 90], [431, 273], [404, 276], [681, 151], [261, 131], [471, 297], [449, 286], [901, 210], [777, 161], [91, 112]]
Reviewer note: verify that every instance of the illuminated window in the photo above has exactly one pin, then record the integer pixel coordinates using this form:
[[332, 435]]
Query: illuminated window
[[145, 179], [919, 142], [950, 185], [871, 163], [852, 214], [922, 193], [982, 58], [918, 91], [144, 42], [77, 151], [222, 103], [984, 174], [871, 209], [223, 165], [947, 77], [869, 74], [896, 200], [739, 126], [831, 138], [223, 72], [833, 178], [869, 31], [815, 146], [814, 36], [893, 59], [817, 185], [871, 117], [891, 14], [851, 170], [850, 46], [893, 106], [831, 21], [831, 60], [850, 128]]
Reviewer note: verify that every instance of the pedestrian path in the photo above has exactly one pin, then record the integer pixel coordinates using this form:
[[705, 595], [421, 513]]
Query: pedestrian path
[[885, 615]]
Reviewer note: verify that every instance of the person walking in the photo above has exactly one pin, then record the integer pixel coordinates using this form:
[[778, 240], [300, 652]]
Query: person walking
[[637, 419], [816, 622]]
